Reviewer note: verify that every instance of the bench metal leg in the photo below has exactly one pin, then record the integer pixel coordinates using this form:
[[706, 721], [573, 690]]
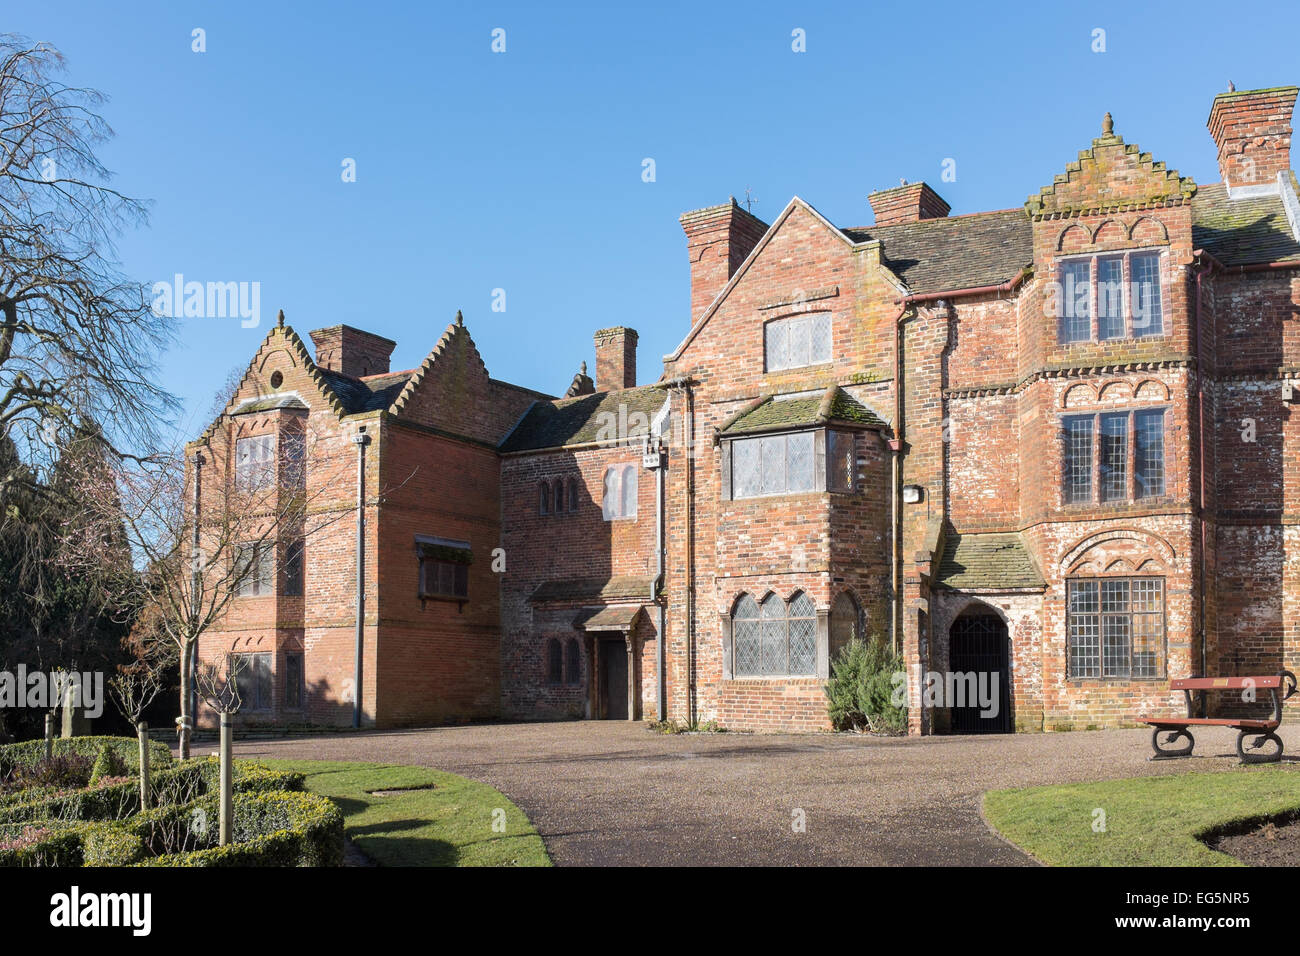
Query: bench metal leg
[[1249, 752], [1171, 734]]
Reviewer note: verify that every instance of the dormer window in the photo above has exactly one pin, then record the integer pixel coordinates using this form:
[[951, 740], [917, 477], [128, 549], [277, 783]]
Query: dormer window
[[797, 341], [1107, 297]]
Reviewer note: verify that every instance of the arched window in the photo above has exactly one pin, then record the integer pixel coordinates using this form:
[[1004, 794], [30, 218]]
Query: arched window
[[802, 631], [559, 496], [573, 494], [774, 638], [628, 509], [571, 667], [609, 503], [745, 641], [554, 662], [544, 498], [846, 624]]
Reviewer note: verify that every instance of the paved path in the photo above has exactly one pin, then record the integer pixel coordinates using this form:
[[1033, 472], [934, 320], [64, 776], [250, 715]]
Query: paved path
[[613, 793]]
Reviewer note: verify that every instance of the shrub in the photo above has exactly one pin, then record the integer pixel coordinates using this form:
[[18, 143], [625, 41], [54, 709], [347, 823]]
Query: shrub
[[181, 784], [276, 828], [31, 752], [60, 772], [861, 689], [108, 763]]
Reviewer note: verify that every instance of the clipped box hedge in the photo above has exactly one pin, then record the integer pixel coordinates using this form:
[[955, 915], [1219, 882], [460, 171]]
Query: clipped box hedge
[[270, 828], [31, 752], [179, 784]]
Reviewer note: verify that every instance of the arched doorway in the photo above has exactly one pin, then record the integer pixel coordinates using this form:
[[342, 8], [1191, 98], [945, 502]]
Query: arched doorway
[[978, 645]]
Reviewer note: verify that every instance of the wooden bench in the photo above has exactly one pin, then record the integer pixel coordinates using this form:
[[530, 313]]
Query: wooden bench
[[1263, 731]]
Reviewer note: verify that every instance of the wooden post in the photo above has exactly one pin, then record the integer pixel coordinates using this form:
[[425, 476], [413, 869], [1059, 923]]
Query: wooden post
[[226, 787], [49, 734], [142, 729]]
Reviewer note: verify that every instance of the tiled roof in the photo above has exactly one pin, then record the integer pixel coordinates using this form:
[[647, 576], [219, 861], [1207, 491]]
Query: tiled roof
[[960, 252], [619, 588], [771, 414], [576, 421], [620, 617], [1241, 232], [987, 561], [373, 393]]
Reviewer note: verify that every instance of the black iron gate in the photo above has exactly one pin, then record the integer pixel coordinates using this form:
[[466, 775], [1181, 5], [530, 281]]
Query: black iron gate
[[977, 644]]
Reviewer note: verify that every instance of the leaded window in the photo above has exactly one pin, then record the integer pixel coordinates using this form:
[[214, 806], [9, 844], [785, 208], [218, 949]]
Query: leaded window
[[1106, 439], [252, 674], [798, 341], [254, 463], [620, 492], [254, 569], [774, 639], [554, 662], [1116, 627], [1121, 289]]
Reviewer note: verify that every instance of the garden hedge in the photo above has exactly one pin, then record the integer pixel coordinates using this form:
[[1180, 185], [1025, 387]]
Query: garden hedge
[[30, 752], [178, 784], [271, 828]]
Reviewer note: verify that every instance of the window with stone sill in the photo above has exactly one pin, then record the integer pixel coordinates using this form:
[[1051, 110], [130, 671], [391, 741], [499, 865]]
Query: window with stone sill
[[797, 341], [1101, 450], [1108, 297], [1116, 627], [789, 463]]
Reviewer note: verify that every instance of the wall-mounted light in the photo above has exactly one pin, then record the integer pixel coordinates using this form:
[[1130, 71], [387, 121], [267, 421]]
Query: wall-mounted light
[[912, 494]]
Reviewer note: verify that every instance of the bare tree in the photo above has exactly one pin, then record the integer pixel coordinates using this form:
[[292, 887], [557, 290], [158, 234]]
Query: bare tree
[[192, 562], [135, 685], [78, 340]]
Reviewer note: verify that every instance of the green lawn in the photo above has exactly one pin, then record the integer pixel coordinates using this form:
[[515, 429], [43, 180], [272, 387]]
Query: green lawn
[[1149, 821], [456, 823]]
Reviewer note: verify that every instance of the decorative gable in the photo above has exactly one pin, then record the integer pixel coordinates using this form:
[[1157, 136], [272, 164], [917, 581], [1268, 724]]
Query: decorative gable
[[1112, 176]]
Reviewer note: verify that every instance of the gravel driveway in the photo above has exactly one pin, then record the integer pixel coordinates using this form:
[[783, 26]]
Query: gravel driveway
[[611, 793]]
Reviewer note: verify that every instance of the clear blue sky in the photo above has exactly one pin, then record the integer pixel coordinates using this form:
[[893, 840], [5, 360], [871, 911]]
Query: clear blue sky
[[522, 170]]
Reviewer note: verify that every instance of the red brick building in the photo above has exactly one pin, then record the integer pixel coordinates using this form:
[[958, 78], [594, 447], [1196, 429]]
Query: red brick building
[[1044, 444]]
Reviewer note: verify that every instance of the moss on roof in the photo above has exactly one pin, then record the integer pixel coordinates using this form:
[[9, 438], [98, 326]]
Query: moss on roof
[[773, 414], [617, 588], [987, 561], [575, 421], [960, 252], [1241, 232]]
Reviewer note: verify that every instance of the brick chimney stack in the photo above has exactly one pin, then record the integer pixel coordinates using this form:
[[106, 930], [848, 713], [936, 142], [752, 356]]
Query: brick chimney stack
[[1252, 129], [615, 358], [717, 241], [910, 202], [352, 352]]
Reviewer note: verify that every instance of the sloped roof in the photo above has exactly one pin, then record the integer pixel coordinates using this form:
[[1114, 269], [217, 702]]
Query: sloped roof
[[1241, 232], [987, 561], [369, 394], [772, 414], [575, 421], [616, 588], [959, 252], [617, 617]]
